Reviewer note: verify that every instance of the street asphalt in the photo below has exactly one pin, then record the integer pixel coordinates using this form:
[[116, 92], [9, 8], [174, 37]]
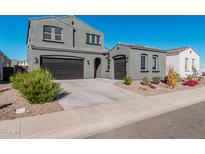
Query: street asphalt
[[186, 123]]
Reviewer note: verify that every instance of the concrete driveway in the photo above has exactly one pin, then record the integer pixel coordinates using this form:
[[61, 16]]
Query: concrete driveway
[[79, 93]]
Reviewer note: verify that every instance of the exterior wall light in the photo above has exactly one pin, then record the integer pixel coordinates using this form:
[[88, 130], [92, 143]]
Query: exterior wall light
[[88, 62], [36, 60], [127, 59]]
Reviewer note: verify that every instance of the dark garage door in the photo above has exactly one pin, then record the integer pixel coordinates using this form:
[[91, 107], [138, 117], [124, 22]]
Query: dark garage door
[[119, 67], [63, 68], [7, 72]]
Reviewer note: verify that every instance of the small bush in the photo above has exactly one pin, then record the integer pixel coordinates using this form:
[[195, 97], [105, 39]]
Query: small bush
[[172, 77], [203, 73], [145, 81], [127, 80], [17, 80], [156, 80], [189, 77], [179, 79], [37, 86]]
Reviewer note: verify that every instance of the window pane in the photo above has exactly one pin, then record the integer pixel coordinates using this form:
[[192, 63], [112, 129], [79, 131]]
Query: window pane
[[186, 64], [154, 67], [58, 30], [58, 37], [47, 36], [193, 63], [87, 38], [93, 39], [143, 62], [98, 39], [47, 30]]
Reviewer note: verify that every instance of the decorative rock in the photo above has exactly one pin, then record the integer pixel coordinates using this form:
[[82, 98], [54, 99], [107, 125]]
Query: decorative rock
[[20, 110]]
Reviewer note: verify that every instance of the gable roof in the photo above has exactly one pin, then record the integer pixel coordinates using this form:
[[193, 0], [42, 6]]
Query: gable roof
[[177, 50], [141, 47], [1, 53], [57, 18]]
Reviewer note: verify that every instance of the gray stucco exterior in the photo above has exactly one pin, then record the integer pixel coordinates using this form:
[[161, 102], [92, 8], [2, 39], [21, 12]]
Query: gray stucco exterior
[[133, 60], [77, 48], [37, 47]]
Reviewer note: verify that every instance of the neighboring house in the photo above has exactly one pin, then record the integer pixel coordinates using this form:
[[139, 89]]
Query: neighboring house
[[22, 63], [202, 71], [137, 61], [184, 60], [68, 47], [4, 62]]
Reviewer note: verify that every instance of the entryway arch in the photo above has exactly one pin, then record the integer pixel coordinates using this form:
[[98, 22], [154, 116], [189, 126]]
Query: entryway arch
[[97, 68]]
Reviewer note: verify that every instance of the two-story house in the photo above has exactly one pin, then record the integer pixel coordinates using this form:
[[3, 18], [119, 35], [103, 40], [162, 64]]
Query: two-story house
[[4, 62], [66, 46]]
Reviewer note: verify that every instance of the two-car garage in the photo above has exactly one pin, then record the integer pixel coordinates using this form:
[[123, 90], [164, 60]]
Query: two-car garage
[[64, 68]]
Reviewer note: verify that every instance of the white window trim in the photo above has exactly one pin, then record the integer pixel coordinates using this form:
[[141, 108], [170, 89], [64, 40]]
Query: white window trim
[[53, 34], [157, 62], [193, 64], [186, 67], [146, 62], [91, 39]]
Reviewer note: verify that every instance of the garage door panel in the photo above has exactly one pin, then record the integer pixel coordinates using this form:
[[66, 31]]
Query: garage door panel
[[119, 67], [64, 68]]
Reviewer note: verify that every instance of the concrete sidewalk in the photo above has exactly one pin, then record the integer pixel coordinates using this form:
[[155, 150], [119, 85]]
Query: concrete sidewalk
[[88, 121]]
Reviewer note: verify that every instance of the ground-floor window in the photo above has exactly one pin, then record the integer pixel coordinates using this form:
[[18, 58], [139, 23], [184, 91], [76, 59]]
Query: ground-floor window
[[144, 62], [193, 64], [155, 63], [186, 64]]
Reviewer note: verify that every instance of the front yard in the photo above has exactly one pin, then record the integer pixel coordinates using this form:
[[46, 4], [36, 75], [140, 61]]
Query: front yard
[[12, 100], [161, 88], [29, 93]]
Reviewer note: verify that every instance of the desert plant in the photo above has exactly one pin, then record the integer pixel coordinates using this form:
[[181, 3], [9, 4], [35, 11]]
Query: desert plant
[[172, 77], [156, 80], [178, 78], [194, 71], [145, 81], [203, 73], [17, 79], [37, 86], [189, 77], [127, 80]]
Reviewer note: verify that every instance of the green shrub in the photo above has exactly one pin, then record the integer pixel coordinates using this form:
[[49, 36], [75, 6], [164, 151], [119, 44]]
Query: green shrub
[[17, 80], [189, 77], [127, 80], [203, 73], [156, 80], [145, 81], [37, 86]]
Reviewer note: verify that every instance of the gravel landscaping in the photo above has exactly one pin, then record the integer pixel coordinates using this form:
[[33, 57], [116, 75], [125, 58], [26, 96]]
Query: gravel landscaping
[[10, 100], [162, 88]]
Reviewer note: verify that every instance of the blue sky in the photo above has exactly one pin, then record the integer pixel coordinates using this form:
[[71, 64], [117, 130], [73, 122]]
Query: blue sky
[[163, 32]]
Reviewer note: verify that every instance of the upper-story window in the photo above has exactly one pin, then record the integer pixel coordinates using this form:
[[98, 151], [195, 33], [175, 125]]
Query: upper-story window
[[93, 39], [144, 62], [52, 33], [155, 61]]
